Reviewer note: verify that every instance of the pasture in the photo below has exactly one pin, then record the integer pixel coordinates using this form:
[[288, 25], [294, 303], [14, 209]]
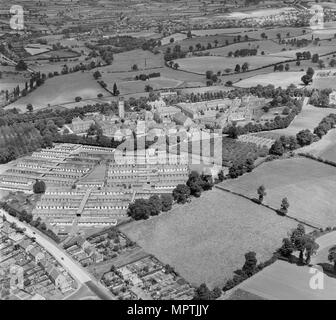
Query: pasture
[[278, 79], [205, 240], [59, 90], [324, 148], [308, 185], [308, 118], [201, 64]]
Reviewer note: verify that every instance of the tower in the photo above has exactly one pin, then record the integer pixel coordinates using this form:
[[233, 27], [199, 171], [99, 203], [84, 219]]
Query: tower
[[121, 108]]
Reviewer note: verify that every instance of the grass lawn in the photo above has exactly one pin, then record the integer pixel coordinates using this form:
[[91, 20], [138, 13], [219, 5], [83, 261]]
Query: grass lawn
[[308, 185], [61, 89], [205, 240]]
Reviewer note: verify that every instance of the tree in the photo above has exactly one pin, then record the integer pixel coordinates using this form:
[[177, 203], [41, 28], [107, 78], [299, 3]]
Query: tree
[[139, 209], [304, 137], [332, 256], [277, 148], [155, 205], [237, 68], [315, 58], [297, 239], [262, 193], [30, 107], [115, 90], [189, 35], [135, 67], [97, 75], [245, 67], [39, 187], [203, 293], [287, 247], [306, 79], [181, 193], [250, 265], [310, 72], [233, 132], [167, 202], [209, 74], [284, 206]]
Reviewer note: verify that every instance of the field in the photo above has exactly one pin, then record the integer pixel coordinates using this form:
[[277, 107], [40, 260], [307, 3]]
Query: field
[[308, 185], [123, 62], [169, 79], [268, 46], [202, 64], [205, 241], [278, 79], [61, 89], [309, 118], [203, 40], [324, 148], [285, 281]]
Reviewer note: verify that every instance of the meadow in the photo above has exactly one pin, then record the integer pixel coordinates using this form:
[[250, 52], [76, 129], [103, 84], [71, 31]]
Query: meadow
[[309, 118], [324, 148], [205, 240], [61, 89], [308, 185], [201, 64]]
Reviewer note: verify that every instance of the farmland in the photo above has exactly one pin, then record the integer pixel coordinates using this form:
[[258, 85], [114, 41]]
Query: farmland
[[308, 185], [324, 148], [61, 89], [279, 79], [201, 64], [205, 241], [308, 118]]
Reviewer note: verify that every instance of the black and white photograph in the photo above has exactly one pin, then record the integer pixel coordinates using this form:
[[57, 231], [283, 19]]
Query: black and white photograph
[[167, 156]]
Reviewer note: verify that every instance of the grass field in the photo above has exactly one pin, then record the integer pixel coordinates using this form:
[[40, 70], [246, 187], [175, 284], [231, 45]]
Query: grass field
[[308, 185], [267, 46], [308, 118], [123, 62], [205, 241], [324, 148], [202, 64], [278, 79], [61, 89], [169, 79]]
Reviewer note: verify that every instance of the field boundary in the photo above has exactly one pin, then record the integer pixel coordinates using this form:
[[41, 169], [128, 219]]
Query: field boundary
[[308, 224]]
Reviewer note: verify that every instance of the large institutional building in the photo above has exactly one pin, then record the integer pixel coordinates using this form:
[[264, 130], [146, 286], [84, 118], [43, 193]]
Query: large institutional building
[[90, 185]]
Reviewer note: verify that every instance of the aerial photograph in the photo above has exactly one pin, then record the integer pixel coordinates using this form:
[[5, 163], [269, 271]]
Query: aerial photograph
[[177, 150]]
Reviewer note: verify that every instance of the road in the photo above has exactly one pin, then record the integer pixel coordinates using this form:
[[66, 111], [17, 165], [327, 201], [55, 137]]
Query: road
[[77, 271]]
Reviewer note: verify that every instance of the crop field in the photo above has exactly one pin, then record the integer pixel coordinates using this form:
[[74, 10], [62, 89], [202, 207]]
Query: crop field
[[61, 89], [205, 240], [308, 185], [309, 118], [202, 64], [324, 148]]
